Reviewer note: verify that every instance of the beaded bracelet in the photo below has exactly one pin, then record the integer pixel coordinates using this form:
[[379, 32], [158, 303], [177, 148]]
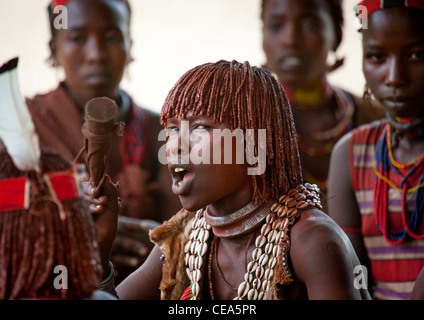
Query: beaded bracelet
[[108, 283]]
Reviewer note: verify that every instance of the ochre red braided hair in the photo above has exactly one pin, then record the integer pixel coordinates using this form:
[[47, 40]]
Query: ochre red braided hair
[[245, 97]]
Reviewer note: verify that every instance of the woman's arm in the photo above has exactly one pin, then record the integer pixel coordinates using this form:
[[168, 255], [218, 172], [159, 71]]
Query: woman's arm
[[143, 284], [342, 205]]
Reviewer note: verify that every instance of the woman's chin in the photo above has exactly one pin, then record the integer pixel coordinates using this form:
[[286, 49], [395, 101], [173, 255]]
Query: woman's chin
[[190, 206]]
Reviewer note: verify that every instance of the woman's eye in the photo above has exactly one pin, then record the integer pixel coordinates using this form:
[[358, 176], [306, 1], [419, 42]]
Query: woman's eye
[[374, 57], [276, 26], [309, 25], [201, 126], [114, 38], [416, 55], [78, 39], [172, 129]]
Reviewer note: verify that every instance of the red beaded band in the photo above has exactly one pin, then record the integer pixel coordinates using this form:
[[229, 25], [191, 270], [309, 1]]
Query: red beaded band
[[14, 192], [62, 185], [374, 5], [64, 2]]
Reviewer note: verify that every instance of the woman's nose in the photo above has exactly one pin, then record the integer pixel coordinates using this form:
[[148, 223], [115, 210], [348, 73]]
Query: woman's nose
[[177, 145], [173, 144], [289, 36], [395, 76], [95, 50]]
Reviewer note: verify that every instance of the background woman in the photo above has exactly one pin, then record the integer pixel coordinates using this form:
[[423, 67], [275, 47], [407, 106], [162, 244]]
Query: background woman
[[299, 36], [379, 200]]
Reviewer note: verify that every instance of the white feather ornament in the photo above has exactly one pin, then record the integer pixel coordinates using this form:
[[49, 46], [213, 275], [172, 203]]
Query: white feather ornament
[[16, 127]]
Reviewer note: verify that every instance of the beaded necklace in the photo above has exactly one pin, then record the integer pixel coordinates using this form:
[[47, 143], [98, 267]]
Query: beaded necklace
[[385, 162], [406, 127], [271, 247], [344, 115], [309, 96]]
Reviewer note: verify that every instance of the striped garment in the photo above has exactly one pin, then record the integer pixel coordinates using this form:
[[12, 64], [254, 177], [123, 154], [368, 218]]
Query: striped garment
[[393, 268]]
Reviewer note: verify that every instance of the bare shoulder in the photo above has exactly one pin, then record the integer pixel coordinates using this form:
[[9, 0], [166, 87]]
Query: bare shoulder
[[342, 145], [323, 257], [315, 228]]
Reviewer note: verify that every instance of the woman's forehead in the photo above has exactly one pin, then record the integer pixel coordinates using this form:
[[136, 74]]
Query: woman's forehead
[[191, 117], [104, 13], [394, 23]]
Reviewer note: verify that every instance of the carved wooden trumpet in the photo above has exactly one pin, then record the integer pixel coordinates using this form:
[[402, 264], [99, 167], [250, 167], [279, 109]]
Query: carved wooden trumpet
[[99, 125]]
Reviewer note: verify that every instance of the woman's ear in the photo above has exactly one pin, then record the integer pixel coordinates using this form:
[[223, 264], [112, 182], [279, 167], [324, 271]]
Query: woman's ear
[[53, 54], [130, 56]]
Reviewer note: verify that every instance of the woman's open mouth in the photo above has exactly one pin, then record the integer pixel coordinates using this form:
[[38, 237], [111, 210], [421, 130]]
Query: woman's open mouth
[[291, 62], [182, 178]]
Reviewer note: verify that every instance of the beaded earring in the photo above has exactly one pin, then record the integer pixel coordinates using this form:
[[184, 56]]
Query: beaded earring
[[366, 97]]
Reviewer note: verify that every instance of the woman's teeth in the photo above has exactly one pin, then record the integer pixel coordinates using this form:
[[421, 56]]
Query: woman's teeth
[[292, 61], [182, 173]]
